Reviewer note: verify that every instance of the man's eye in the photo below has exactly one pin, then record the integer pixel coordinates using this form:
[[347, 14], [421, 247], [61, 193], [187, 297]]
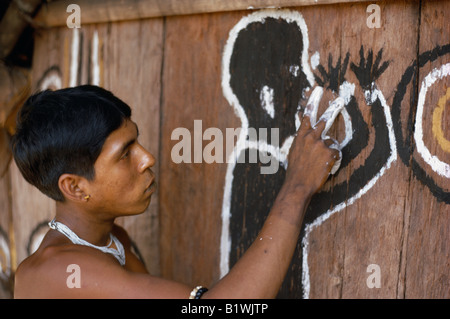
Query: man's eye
[[125, 155]]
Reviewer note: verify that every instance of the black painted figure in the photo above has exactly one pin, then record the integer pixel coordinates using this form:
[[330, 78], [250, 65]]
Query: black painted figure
[[269, 80]]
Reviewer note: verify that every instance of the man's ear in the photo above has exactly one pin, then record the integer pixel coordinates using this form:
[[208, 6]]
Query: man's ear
[[73, 187]]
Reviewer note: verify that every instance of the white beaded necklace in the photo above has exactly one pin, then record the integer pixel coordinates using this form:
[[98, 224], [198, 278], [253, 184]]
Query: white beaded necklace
[[118, 253]]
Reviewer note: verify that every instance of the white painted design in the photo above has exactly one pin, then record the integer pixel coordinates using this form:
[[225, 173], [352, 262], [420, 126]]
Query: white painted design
[[371, 96], [74, 57], [435, 163], [5, 259], [52, 80], [95, 59], [266, 98], [315, 60], [294, 70], [346, 91]]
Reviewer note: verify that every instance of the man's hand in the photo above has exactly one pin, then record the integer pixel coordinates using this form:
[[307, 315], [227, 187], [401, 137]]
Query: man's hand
[[310, 158]]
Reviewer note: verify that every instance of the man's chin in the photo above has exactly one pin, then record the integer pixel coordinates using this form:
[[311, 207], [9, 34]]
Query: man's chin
[[139, 209]]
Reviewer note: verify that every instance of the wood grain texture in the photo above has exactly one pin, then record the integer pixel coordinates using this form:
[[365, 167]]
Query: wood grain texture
[[357, 235], [54, 13], [191, 194], [427, 255]]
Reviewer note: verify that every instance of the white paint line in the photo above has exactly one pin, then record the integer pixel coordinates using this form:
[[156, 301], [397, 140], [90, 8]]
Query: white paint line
[[312, 106], [330, 114], [266, 98], [74, 57], [94, 60], [52, 80], [435, 163], [5, 259], [315, 60]]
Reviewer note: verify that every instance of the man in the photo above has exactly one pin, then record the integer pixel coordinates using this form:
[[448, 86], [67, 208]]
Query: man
[[80, 147]]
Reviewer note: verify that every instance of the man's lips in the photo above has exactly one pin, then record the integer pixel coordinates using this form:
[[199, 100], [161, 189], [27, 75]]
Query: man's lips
[[151, 187]]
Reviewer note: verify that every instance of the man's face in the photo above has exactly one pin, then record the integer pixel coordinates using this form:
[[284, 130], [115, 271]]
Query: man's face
[[123, 182]]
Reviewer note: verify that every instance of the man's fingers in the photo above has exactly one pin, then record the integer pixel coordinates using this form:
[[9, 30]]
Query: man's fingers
[[329, 116], [313, 104], [328, 142], [337, 158], [318, 129], [306, 123]]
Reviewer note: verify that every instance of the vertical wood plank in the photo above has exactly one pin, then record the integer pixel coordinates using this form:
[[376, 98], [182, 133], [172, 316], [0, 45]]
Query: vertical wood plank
[[363, 226], [427, 252], [191, 193]]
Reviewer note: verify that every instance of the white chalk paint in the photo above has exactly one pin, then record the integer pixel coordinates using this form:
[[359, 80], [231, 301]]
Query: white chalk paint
[[5, 259], [337, 106], [74, 57], [52, 80], [266, 98], [294, 70], [433, 161], [329, 116], [371, 95], [346, 91], [95, 59], [312, 106], [315, 60]]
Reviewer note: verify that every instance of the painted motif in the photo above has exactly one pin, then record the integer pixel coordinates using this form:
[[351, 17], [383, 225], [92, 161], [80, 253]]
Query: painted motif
[[431, 170], [266, 76]]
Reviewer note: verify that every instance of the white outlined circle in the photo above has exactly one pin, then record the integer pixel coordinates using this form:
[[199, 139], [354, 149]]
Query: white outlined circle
[[435, 163]]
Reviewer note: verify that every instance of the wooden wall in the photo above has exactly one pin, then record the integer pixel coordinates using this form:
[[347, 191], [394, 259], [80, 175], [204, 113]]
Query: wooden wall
[[388, 204]]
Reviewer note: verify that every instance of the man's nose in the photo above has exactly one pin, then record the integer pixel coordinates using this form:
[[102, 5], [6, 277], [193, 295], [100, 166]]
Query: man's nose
[[147, 160]]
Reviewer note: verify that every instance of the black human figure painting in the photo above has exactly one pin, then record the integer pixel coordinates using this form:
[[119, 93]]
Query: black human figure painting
[[265, 77], [254, 74]]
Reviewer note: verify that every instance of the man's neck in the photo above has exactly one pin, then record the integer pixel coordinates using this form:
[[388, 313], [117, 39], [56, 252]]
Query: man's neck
[[87, 226]]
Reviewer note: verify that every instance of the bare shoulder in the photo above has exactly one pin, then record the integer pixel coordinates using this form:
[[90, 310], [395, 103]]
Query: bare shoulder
[[60, 269], [57, 271]]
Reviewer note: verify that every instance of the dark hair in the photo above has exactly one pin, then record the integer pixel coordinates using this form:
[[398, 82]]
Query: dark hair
[[63, 131]]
